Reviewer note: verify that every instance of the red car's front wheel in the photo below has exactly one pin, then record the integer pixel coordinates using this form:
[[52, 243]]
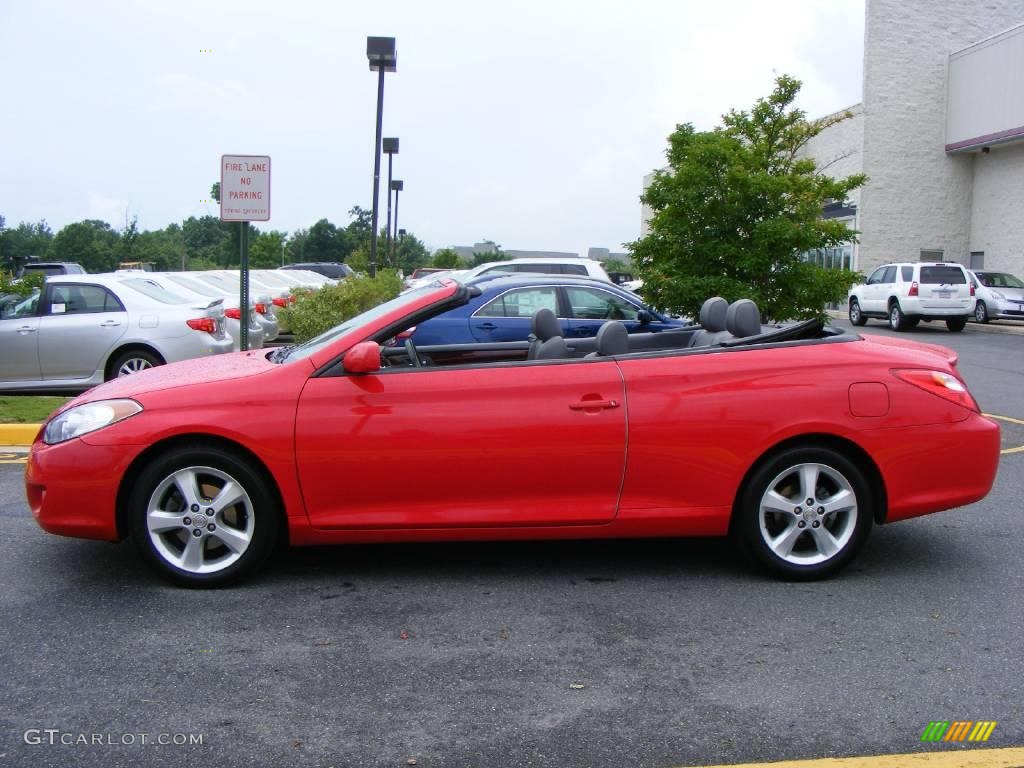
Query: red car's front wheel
[[203, 517]]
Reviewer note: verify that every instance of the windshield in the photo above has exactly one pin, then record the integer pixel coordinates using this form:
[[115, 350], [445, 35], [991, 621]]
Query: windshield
[[1000, 280], [154, 291], [196, 286], [315, 345]]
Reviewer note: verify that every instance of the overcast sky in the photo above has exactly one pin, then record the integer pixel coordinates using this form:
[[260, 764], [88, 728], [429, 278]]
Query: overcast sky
[[528, 123]]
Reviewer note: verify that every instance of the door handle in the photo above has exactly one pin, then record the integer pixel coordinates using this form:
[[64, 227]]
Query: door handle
[[26, 329], [109, 324], [593, 405], [487, 326]]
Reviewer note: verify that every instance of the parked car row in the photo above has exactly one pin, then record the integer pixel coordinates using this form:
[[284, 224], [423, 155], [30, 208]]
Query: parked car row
[[906, 293], [82, 330]]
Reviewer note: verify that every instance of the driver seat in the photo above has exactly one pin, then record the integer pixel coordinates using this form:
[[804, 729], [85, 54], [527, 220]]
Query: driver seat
[[546, 342]]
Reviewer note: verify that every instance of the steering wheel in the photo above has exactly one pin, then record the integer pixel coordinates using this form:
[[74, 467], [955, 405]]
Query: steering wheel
[[414, 357]]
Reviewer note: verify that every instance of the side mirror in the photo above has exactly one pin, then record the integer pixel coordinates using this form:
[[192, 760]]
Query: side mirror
[[364, 357], [644, 317]]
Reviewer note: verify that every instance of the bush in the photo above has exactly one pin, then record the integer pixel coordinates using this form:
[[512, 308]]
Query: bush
[[32, 282], [315, 312]]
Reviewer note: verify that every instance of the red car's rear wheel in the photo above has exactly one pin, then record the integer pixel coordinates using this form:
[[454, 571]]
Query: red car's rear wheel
[[804, 513]]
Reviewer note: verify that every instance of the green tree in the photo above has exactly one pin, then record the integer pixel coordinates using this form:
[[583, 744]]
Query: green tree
[[208, 240], [410, 253], [738, 207], [445, 258], [165, 248], [215, 191], [359, 229], [325, 242], [92, 243], [359, 260], [24, 241], [265, 249]]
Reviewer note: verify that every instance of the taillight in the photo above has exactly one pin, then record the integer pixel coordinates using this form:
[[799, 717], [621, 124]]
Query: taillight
[[235, 313], [945, 385], [261, 308], [972, 289], [202, 324], [279, 302], [913, 289]]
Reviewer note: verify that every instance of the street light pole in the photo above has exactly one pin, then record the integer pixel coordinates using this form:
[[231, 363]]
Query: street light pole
[[383, 57], [390, 149], [397, 185]]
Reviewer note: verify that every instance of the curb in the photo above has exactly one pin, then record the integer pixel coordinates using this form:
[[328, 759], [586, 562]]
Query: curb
[[18, 434]]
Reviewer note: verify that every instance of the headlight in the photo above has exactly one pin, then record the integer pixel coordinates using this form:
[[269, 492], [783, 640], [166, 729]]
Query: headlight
[[86, 418]]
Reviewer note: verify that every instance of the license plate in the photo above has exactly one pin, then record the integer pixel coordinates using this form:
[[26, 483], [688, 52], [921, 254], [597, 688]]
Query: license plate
[[943, 294]]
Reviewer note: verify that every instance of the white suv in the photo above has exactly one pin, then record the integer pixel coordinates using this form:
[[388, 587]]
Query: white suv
[[906, 293]]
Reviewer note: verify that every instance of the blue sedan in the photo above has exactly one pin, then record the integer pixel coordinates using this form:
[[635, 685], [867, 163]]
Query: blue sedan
[[503, 310]]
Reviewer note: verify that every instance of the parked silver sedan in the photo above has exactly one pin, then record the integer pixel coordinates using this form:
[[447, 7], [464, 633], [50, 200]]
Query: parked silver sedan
[[263, 302], [1000, 296], [86, 329], [232, 311]]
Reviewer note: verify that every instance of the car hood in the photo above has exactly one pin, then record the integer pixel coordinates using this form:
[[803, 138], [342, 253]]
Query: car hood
[[201, 370], [1010, 293]]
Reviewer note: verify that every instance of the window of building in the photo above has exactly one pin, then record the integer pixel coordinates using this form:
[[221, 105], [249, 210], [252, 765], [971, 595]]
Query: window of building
[[929, 255], [977, 259]]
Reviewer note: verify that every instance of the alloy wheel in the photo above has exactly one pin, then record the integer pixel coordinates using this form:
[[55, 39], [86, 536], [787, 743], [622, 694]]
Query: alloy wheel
[[808, 514], [200, 519]]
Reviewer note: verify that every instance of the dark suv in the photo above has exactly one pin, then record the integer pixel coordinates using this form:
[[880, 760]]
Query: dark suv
[[51, 268], [331, 269]]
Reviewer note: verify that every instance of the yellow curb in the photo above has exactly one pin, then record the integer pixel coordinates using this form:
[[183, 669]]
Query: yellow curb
[[18, 434], [1011, 757]]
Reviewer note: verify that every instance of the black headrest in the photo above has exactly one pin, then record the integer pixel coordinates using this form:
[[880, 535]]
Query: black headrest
[[712, 314], [743, 318], [545, 325], [612, 339]]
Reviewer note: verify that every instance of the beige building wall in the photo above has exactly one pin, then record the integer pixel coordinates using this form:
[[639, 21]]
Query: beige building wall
[[997, 209], [918, 197]]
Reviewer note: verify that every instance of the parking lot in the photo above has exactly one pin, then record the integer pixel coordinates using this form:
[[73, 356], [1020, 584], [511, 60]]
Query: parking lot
[[642, 653]]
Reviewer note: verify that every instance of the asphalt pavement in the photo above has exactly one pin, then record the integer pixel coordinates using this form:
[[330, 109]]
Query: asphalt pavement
[[652, 653]]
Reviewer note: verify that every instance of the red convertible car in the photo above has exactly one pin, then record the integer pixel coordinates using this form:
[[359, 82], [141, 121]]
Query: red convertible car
[[793, 439]]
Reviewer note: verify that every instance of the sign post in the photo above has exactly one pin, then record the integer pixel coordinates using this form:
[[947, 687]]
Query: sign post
[[244, 197]]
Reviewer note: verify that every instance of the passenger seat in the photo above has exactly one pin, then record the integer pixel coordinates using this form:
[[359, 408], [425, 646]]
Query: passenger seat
[[743, 319], [546, 342], [712, 322], [612, 339]]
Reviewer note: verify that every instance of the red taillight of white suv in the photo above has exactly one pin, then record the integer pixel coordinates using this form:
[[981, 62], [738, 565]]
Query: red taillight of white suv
[[234, 313], [913, 289]]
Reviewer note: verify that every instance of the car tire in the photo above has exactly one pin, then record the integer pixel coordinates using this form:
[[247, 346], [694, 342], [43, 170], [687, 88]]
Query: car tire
[[812, 543], [132, 361], [981, 312], [856, 316], [956, 324], [897, 320], [185, 527]]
